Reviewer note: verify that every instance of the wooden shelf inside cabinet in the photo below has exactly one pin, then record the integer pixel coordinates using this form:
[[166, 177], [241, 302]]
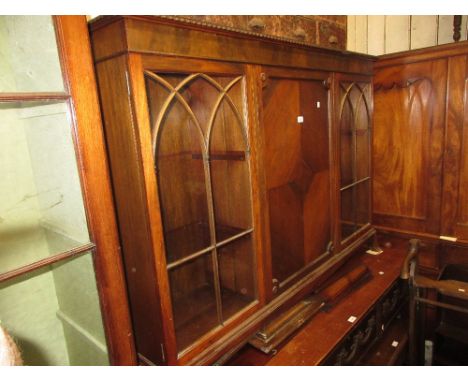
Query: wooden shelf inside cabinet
[[194, 239], [197, 312]]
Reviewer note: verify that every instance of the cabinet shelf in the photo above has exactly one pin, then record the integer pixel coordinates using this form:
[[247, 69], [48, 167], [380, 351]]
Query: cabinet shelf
[[192, 239], [196, 313], [30, 245]]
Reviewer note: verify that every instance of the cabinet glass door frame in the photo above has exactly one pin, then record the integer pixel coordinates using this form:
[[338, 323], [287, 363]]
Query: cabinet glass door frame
[[140, 68], [363, 84], [80, 98]]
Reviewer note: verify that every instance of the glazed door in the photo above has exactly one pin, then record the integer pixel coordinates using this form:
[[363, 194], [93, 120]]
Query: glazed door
[[408, 143], [455, 187], [353, 112], [201, 152], [297, 172]]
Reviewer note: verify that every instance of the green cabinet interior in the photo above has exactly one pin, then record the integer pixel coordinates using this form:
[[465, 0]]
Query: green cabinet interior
[[52, 313]]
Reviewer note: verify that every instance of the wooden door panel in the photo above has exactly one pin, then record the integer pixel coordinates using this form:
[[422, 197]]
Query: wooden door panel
[[409, 104], [297, 173]]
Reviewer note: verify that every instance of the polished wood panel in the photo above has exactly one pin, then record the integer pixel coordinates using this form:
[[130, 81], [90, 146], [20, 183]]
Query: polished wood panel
[[297, 172], [454, 212], [192, 40], [408, 145], [131, 203]]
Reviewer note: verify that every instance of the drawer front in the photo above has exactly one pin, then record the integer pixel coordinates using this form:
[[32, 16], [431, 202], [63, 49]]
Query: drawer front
[[355, 345]]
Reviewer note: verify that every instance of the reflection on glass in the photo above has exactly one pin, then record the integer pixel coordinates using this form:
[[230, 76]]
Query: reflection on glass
[[237, 277], [41, 208], [362, 204], [229, 167], [181, 176], [346, 145], [362, 153], [29, 60], [355, 211], [53, 314], [193, 299]]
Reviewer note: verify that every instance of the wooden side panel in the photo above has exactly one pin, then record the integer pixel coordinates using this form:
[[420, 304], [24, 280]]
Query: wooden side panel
[[408, 145], [127, 177], [455, 196]]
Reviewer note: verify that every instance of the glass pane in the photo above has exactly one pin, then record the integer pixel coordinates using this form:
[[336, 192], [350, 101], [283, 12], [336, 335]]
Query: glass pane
[[193, 300], [53, 314], [348, 215], [347, 136], [362, 204], [362, 153], [355, 211], [29, 60], [229, 167], [180, 173], [236, 269], [362, 135], [41, 208]]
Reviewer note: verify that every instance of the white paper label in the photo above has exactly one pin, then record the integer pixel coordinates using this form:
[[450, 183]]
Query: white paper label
[[318, 104], [395, 344], [300, 119], [351, 319], [381, 273]]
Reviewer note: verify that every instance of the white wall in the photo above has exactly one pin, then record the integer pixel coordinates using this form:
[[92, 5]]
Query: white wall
[[388, 34]]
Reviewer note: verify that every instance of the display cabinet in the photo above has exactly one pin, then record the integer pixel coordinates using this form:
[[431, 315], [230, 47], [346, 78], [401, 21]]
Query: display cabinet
[[57, 229], [223, 152]]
